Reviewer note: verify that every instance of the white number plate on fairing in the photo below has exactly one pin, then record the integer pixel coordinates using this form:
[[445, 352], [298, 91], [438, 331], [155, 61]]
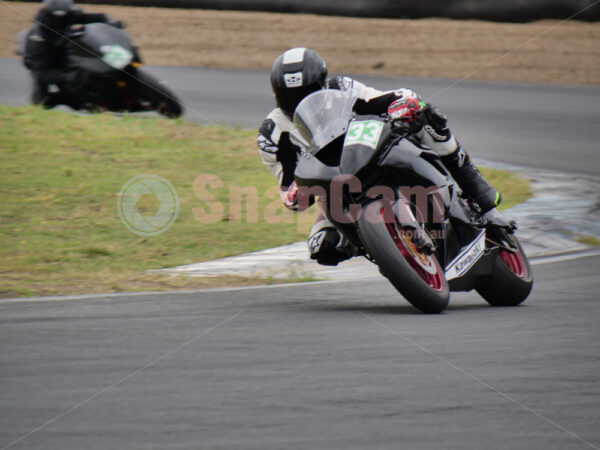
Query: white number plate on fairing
[[116, 56], [467, 258], [364, 132]]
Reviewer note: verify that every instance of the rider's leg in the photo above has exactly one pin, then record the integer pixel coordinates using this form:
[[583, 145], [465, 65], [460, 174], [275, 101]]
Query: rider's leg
[[471, 181], [438, 136], [63, 98], [327, 244], [39, 91]]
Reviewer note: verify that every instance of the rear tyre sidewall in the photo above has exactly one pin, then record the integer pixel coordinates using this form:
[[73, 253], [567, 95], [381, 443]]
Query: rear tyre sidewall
[[394, 266], [505, 288]]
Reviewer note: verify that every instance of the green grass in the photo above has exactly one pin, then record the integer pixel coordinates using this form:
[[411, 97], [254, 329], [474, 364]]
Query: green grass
[[61, 174], [592, 241], [514, 188]]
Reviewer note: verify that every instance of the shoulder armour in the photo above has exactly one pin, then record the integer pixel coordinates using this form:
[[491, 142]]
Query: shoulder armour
[[340, 83], [36, 38], [265, 137], [267, 127]]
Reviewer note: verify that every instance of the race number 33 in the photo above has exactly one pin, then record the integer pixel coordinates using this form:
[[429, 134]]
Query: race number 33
[[364, 132]]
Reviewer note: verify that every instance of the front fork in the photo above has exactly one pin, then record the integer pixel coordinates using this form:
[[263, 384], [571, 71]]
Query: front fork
[[399, 212]]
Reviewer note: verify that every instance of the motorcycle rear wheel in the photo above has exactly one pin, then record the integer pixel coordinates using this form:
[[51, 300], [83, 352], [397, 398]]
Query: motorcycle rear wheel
[[512, 279], [417, 276]]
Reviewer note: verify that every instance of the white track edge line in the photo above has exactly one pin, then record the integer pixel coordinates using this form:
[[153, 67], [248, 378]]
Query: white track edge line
[[534, 262]]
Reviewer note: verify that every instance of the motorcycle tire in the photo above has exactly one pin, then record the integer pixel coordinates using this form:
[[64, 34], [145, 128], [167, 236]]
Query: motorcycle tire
[[163, 100], [511, 281], [417, 276]]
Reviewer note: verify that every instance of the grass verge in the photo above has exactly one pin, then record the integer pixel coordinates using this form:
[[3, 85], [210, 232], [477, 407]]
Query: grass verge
[[592, 241], [61, 177], [515, 189]]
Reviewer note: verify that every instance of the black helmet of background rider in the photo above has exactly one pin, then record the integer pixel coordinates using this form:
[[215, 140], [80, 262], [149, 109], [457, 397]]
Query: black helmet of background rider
[[55, 14], [295, 74]]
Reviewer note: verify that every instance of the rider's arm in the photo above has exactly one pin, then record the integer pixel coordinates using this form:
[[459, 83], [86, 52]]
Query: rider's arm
[[280, 155], [268, 150], [373, 101], [362, 91], [370, 100], [38, 59], [432, 131]]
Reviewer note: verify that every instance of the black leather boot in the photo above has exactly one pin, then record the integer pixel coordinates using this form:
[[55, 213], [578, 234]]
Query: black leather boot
[[61, 98], [329, 247], [471, 181]]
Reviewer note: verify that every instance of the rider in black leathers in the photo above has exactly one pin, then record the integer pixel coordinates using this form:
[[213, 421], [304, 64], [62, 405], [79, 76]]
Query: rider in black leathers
[[45, 51]]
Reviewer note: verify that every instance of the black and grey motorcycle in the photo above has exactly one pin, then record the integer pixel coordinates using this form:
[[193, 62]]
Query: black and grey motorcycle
[[109, 74], [398, 206]]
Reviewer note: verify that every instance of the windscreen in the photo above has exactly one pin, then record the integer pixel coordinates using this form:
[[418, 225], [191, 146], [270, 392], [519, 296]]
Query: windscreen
[[323, 116]]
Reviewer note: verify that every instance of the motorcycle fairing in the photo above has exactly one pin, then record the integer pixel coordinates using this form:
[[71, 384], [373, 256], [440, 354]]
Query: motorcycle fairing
[[355, 155], [463, 252], [407, 156], [466, 258], [88, 47], [310, 171]]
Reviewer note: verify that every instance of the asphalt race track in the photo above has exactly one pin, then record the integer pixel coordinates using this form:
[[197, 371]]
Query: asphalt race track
[[323, 365], [345, 366]]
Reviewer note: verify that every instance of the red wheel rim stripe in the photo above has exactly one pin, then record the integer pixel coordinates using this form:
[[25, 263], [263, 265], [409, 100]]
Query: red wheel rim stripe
[[436, 281], [513, 261]]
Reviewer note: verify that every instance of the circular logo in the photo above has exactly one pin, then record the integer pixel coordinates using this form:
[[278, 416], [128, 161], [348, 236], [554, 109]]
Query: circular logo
[[148, 205]]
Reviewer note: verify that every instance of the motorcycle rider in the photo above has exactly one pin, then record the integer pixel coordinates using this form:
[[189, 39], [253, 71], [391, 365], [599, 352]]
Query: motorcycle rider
[[45, 50], [300, 71]]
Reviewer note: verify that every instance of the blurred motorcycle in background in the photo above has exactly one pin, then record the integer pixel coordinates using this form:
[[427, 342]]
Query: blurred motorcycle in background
[[107, 73]]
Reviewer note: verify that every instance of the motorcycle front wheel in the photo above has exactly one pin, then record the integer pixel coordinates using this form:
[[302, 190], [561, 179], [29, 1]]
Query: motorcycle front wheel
[[416, 275], [160, 96]]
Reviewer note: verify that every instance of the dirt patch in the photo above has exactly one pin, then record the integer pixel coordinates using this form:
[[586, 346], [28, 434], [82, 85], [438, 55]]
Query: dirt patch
[[540, 52]]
